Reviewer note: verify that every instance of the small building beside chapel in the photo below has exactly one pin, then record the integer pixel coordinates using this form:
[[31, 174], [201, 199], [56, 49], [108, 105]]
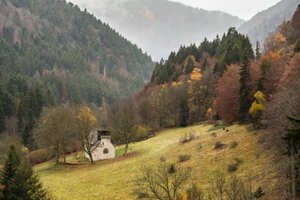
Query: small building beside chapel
[[100, 139]]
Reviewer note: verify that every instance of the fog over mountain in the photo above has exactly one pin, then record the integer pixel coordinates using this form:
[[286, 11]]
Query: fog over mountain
[[266, 22], [160, 26]]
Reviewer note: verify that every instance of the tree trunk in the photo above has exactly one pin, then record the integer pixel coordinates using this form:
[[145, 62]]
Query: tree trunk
[[126, 148], [57, 157], [65, 161], [91, 158], [57, 154]]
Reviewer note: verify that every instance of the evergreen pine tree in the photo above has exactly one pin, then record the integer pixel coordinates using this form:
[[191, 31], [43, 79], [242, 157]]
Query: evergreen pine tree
[[38, 101], [26, 185], [9, 171], [257, 51], [27, 134], [245, 101], [18, 180], [189, 66]]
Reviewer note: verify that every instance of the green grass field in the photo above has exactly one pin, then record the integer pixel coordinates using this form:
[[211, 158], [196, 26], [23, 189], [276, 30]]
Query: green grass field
[[114, 179]]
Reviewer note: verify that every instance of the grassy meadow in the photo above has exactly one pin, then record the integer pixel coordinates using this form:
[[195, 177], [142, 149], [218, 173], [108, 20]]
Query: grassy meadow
[[114, 179]]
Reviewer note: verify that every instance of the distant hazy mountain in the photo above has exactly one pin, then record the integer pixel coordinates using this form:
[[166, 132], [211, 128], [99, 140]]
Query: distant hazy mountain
[[267, 21], [160, 26]]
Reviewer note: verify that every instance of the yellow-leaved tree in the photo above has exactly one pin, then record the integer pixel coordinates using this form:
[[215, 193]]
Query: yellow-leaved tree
[[86, 121], [197, 97], [196, 75], [257, 108]]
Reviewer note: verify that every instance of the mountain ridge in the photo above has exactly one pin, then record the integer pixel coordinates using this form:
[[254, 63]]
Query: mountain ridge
[[266, 22], [157, 27]]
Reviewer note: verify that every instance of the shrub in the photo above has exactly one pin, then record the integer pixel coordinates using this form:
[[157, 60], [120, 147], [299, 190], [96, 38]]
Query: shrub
[[39, 156], [187, 138], [217, 126], [219, 145], [232, 167], [184, 157], [258, 193], [233, 144]]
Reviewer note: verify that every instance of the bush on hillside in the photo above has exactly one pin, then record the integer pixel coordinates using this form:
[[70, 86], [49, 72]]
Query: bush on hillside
[[39, 156], [258, 193], [234, 166], [184, 157], [219, 145], [187, 138]]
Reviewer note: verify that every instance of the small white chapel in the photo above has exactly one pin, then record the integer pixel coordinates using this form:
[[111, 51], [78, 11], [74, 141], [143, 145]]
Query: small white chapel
[[101, 139]]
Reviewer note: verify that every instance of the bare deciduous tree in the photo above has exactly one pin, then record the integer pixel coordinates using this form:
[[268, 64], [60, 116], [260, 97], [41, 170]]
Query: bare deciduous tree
[[165, 182], [55, 131], [231, 189], [124, 121]]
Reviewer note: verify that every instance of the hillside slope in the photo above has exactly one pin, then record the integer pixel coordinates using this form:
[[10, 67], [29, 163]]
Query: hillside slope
[[114, 179], [160, 26], [56, 42], [266, 22]]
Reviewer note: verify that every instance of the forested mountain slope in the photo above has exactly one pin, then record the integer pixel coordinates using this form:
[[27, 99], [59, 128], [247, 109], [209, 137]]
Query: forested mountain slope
[[53, 37], [160, 26], [49, 48], [266, 22]]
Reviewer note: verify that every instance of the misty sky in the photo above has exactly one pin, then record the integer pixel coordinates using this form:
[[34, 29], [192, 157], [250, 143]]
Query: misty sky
[[244, 9]]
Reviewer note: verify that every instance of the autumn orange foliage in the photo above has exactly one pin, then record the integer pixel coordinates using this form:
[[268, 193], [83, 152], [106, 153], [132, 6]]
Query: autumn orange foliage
[[227, 102], [270, 57]]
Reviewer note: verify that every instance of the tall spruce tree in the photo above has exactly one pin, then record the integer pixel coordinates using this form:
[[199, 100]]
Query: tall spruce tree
[[26, 185], [257, 51], [245, 101], [9, 171], [18, 180]]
